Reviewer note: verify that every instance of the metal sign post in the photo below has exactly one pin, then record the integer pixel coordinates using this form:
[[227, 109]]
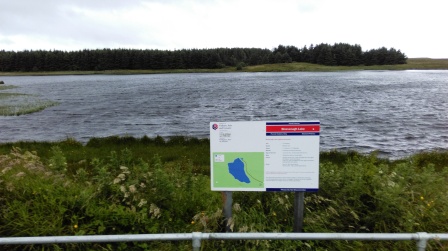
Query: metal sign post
[[299, 202], [227, 209]]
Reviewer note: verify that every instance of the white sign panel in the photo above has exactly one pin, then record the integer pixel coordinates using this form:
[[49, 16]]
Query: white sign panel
[[264, 156]]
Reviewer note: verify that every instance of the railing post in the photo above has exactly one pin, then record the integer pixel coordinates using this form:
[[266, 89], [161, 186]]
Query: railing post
[[196, 241], [422, 241]]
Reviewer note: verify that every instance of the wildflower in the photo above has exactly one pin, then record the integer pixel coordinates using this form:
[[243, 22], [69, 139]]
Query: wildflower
[[243, 229], [125, 169], [422, 198], [280, 200], [274, 214], [155, 211], [192, 222], [390, 183], [6, 169], [132, 189], [142, 203], [75, 226]]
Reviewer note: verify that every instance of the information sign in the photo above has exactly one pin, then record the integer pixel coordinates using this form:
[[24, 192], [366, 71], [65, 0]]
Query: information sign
[[264, 155]]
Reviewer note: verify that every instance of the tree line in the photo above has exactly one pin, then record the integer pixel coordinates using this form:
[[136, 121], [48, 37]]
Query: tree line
[[134, 59], [339, 54]]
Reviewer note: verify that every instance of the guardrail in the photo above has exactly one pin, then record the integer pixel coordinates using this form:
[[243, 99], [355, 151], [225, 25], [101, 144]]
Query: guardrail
[[196, 237]]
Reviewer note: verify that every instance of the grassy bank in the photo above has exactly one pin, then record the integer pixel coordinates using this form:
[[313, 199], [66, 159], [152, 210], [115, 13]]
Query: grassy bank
[[123, 185], [413, 64]]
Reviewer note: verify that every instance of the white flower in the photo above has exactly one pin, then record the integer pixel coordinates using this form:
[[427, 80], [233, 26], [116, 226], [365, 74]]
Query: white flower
[[154, 210], [237, 207], [132, 189], [142, 203]]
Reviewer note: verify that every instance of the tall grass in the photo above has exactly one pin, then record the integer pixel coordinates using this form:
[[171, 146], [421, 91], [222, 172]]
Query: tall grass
[[123, 185]]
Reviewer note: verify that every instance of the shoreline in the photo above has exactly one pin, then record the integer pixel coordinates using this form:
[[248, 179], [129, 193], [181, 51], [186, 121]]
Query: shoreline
[[177, 140], [413, 64]]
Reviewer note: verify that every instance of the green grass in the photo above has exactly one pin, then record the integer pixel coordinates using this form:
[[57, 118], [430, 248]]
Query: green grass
[[413, 64], [124, 185], [15, 104]]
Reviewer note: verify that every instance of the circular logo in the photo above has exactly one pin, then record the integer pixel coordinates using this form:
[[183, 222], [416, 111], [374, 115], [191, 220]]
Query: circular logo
[[215, 126]]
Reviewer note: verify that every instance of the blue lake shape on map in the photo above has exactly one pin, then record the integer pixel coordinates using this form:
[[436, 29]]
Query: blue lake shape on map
[[236, 168]]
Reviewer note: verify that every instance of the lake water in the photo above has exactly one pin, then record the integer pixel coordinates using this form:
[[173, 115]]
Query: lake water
[[395, 112]]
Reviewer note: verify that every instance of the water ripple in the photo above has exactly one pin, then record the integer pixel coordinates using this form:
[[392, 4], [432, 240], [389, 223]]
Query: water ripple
[[396, 113]]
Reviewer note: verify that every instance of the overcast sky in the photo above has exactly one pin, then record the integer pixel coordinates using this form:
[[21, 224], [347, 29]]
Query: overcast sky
[[417, 28]]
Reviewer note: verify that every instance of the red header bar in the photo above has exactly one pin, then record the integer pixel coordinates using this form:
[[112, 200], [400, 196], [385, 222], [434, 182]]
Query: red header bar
[[293, 128]]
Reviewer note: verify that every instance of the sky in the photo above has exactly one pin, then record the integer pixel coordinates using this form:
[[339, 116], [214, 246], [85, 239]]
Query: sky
[[417, 28]]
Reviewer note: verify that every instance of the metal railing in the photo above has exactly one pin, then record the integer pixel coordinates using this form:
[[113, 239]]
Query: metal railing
[[421, 238]]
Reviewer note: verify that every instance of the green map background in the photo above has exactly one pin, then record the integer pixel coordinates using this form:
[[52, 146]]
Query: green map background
[[254, 168]]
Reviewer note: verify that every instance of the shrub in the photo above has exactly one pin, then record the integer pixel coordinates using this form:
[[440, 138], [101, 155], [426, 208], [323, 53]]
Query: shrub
[[120, 193]]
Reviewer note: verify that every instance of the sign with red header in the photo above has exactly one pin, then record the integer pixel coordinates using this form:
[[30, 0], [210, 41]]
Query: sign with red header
[[265, 155]]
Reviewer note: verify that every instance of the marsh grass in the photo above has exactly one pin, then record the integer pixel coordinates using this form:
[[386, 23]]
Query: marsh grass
[[7, 87], [15, 104], [124, 185]]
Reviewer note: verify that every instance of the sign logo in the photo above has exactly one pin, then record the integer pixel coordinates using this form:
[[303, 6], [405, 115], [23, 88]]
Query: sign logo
[[215, 126]]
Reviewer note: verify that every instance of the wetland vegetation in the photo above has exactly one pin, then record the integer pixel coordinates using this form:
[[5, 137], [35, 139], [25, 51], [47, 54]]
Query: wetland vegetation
[[15, 104], [124, 185]]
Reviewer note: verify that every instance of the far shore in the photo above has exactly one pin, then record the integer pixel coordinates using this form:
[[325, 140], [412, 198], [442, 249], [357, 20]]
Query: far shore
[[412, 64]]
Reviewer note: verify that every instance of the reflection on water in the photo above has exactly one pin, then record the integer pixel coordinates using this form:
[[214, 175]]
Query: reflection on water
[[397, 112]]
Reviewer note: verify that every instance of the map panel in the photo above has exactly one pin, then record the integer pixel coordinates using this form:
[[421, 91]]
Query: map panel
[[238, 170]]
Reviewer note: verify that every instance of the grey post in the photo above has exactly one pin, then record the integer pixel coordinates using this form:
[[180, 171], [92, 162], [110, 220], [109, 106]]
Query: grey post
[[422, 241], [227, 202], [299, 201], [196, 239]]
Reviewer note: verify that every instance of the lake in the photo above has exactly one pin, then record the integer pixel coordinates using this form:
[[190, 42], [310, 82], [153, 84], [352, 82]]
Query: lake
[[395, 112]]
